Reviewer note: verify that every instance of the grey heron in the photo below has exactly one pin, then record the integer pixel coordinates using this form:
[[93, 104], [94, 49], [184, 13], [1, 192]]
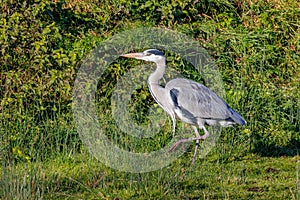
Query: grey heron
[[187, 100]]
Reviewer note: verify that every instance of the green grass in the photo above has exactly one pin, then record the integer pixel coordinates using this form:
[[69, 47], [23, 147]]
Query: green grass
[[65, 170], [256, 48], [82, 177]]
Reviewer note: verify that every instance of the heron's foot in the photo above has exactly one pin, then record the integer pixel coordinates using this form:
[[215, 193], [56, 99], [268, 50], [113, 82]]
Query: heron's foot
[[174, 146]]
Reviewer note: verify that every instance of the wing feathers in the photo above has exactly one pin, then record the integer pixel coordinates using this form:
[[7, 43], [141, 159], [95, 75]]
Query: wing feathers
[[200, 101]]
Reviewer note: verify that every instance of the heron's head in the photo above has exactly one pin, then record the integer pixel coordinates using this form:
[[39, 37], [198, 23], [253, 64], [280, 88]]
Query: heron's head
[[152, 55]]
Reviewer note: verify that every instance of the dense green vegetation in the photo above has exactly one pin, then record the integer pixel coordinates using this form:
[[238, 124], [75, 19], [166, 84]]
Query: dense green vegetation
[[255, 44]]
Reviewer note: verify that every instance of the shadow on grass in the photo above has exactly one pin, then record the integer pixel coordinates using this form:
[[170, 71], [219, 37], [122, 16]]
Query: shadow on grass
[[270, 149]]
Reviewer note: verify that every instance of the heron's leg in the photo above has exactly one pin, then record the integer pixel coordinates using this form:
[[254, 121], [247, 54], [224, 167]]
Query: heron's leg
[[182, 141], [173, 125], [197, 144], [206, 134]]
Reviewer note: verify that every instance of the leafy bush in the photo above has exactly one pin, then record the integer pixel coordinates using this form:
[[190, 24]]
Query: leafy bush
[[255, 44]]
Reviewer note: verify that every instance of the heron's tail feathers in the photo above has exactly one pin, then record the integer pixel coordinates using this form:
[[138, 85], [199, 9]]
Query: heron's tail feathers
[[237, 118]]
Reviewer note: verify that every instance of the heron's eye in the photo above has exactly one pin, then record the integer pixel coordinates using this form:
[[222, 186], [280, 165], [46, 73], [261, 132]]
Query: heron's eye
[[147, 54]]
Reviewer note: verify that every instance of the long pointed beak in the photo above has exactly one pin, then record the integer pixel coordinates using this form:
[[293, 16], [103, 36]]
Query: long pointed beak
[[133, 55]]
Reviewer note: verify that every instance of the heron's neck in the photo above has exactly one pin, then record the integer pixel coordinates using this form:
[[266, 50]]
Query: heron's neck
[[157, 91], [158, 73]]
